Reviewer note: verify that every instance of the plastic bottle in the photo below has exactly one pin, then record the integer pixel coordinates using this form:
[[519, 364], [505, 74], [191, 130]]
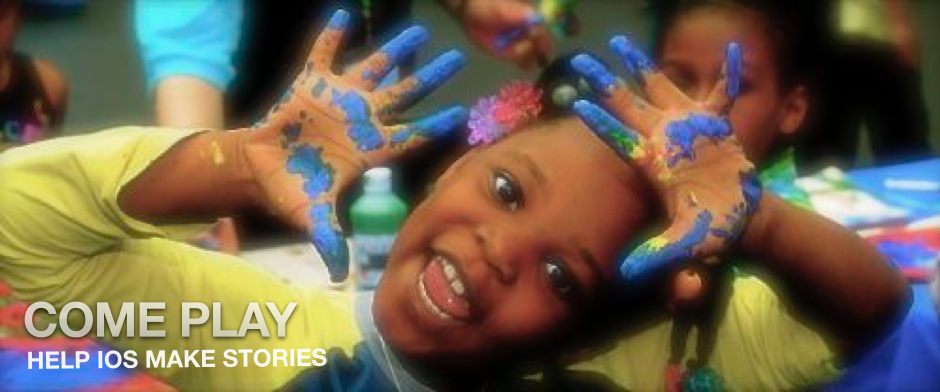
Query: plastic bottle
[[376, 217]]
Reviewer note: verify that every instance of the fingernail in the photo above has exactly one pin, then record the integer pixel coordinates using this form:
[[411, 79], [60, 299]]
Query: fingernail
[[339, 20], [641, 265], [633, 58], [441, 68], [595, 117], [733, 64], [329, 242], [405, 43], [586, 111], [594, 72]]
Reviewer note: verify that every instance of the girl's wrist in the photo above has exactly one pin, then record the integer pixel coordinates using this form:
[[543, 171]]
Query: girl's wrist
[[759, 231], [245, 175]]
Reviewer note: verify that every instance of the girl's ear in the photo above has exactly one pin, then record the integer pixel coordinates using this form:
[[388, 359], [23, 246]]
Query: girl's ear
[[795, 107]]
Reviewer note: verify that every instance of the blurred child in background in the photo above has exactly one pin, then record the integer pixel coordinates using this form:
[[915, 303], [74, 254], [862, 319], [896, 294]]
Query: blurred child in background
[[33, 93], [858, 63]]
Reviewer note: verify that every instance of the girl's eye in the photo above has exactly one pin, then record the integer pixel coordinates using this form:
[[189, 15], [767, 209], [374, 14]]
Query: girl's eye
[[506, 191], [560, 278]]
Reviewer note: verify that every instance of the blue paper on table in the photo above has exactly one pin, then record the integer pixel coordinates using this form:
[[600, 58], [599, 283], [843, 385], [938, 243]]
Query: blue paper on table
[[907, 254], [914, 187]]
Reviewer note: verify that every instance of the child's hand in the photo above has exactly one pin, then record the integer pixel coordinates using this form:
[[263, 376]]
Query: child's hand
[[511, 30], [687, 150], [328, 128]]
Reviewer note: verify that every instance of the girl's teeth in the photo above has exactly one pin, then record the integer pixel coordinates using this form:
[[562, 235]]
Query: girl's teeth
[[449, 271], [457, 286]]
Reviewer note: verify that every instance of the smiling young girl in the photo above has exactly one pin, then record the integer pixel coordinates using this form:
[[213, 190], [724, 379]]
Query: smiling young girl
[[515, 249]]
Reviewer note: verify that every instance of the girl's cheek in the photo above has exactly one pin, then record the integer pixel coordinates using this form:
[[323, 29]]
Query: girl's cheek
[[742, 121]]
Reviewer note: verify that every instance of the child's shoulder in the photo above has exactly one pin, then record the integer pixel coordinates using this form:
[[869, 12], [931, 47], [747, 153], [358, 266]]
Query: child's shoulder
[[53, 82]]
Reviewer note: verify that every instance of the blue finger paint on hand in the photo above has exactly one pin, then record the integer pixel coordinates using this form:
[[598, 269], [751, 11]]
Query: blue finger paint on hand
[[657, 254], [317, 174], [682, 134], [752, 190], [318, 88], [617, 135], [433, 75], [733, 62], [339, 20], [631, 56], [733, 224], [441, 69], [397, 50], [329, 241], [595, 73], [358, 119], [433, 126]]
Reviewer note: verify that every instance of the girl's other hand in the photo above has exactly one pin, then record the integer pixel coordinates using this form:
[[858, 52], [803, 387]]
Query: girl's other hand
[[329, 127], [686, 148]]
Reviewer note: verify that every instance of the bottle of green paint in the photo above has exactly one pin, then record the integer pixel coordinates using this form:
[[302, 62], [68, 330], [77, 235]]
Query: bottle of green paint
[[376, 217]]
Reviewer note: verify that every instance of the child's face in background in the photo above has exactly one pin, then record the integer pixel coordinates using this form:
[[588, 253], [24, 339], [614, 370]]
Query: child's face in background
[[692, 55], [531, 226]]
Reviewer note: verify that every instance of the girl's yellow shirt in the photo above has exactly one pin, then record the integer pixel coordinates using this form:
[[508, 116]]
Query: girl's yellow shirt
[[63, 238]]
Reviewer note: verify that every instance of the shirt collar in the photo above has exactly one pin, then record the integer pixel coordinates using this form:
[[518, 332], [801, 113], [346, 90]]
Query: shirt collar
[[389, 362]]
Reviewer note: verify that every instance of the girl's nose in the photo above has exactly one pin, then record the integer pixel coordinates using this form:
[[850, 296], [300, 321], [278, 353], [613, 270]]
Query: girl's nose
[[504, 249]]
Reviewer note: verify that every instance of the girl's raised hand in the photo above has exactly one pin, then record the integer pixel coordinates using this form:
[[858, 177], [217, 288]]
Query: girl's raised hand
[[685, 147], [329, 127]]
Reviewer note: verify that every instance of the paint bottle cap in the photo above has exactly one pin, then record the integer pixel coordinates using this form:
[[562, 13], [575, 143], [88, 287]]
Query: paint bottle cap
[[378, 180]]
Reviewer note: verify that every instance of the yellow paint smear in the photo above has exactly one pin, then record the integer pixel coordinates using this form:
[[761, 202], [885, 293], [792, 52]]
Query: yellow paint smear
[[217, 157]]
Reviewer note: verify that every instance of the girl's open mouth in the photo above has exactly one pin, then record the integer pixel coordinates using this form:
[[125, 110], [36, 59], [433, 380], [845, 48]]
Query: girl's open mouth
[[442, 289]]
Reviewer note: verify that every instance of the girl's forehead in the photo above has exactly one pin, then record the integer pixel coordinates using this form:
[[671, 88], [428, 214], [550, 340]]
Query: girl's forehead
[[709, 29]]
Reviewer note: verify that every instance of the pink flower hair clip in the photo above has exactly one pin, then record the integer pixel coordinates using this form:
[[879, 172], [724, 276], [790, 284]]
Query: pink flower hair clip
[[492, 117]]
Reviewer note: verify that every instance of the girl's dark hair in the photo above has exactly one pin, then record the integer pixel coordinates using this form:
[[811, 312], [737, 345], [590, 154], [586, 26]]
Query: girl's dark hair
[[797, 29]]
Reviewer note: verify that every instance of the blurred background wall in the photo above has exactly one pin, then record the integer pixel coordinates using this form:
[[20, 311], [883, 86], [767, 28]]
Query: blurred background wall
[[95, 49]]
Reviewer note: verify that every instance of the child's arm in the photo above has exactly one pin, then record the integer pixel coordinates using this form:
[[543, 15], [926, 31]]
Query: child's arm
[[711, 195], [836, 276], [324, 131], [186, 50], [56, 88]]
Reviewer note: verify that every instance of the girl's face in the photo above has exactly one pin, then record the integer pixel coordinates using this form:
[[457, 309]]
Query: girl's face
[[513, 241], [692, 55]]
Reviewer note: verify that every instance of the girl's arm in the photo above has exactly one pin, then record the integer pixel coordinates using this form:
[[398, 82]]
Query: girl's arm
[[833, 274], [320, 136], [201, 178], [690, 154]]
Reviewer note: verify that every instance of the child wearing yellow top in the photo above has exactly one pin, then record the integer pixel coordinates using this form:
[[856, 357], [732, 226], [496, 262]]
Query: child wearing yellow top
[[514, 251]]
